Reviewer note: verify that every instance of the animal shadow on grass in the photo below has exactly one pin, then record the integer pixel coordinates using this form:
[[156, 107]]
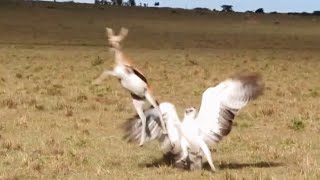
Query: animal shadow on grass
[[167, 160], [261, 164]]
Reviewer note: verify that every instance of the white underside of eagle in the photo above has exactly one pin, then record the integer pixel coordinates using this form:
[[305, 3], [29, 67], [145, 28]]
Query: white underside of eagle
[[189, 140]]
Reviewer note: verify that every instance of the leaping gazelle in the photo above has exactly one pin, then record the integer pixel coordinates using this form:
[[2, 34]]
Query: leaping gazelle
[[132, 80]]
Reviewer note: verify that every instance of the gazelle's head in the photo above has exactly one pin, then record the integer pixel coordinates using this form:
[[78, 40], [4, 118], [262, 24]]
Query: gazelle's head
[[190, 112], [114, 40]]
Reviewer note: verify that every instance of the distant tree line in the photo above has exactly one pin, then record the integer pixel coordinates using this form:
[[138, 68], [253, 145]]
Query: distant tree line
[[229, 8], [315, 13]]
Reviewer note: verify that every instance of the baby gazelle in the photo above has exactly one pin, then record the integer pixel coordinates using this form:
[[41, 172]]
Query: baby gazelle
[[131, 79]]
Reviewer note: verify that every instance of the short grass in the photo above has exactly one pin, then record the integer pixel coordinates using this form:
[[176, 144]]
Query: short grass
[[55, 125]]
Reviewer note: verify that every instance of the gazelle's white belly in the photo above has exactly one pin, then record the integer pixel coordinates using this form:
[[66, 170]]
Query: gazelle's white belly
[[134, 84]]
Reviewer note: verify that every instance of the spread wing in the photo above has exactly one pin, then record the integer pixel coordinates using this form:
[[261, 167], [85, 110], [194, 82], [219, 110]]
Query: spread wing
[[133, 127], [221, 103], [169, 142]]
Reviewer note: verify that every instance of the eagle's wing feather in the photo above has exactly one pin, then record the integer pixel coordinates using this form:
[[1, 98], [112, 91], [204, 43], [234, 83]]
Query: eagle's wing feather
[[221, 103]]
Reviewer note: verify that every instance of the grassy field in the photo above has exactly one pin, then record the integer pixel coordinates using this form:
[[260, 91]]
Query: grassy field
[[55, 125]]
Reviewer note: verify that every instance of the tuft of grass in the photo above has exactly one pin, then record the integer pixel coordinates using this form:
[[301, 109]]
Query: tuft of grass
[[244, 124], [22, 122], [7, 145], [69, 112], [287, 143], [314, 92], [9, 103], [267, 111], [297, 124], [39, 107], [97, 61], [54, 91], [82, 98], [19, 75]]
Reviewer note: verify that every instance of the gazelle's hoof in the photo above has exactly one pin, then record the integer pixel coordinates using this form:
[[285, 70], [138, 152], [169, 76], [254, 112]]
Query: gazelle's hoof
[[182, 160], [141, 143]]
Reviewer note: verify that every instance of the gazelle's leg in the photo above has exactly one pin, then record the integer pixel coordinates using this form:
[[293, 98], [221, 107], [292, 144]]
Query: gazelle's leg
[[103, 76], [138, 105], [155, 105], [207, 153], [184, 148]]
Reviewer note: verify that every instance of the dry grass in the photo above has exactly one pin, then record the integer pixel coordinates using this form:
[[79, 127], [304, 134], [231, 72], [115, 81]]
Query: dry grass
[[54, 124]]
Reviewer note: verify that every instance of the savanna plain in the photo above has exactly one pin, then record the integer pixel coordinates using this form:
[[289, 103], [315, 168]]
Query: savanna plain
[[55, 125]]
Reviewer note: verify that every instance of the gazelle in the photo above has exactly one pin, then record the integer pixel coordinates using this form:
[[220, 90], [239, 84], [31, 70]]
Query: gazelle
[[132, 80]]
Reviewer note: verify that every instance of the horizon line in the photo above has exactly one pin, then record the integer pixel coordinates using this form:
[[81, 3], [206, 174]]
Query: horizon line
[[172, 7]]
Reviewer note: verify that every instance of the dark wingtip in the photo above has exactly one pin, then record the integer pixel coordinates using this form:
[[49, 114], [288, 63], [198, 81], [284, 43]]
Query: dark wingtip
[[127, 127], [252, 81]]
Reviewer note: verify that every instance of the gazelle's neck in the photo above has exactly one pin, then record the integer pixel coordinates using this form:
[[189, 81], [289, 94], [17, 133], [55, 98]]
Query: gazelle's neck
[[120, 58]]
